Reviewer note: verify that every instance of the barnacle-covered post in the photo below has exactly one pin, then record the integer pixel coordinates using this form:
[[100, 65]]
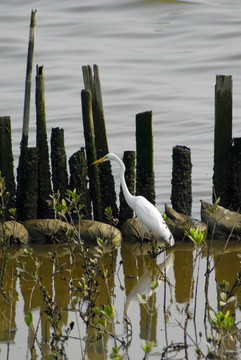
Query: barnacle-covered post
[[181, 195], [6, 163], [78, 180], [59, 162]]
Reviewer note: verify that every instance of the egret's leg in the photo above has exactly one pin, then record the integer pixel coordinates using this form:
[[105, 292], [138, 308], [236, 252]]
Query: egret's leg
[[142, 234], [144, 228]]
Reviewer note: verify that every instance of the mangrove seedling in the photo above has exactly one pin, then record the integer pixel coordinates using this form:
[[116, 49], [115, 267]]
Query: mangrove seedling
[[196, 235]]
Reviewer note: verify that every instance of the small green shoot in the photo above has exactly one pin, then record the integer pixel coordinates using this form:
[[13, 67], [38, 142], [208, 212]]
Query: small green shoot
[[147, 347], [109, 311], [115, 354], [221, 321], [109, 216], [196, 235], [215, 205], [29, 318]]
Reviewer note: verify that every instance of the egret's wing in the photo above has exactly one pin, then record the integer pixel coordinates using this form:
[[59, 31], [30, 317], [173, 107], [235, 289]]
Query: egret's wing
[[148, 213], [151, 217]]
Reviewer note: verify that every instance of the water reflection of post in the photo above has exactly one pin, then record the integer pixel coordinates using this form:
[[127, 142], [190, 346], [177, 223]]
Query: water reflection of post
[[8, 326], [183, 270], [32, 295], [227, 267], [140, 270], [96, 343]]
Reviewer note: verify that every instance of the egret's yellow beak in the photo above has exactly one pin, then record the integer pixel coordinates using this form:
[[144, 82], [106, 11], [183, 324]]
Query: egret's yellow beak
[[99, 161]]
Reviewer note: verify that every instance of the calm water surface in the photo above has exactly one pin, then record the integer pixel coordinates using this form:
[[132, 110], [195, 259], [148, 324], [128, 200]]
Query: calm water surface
[[153, 55]]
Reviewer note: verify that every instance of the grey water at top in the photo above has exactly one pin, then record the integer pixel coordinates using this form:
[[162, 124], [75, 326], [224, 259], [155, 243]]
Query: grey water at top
[[152, 55]]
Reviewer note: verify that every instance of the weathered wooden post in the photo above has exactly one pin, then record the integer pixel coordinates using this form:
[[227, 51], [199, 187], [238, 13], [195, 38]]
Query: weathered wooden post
[[107, 185], [129, 159], [145, 180], [44, 183], [6, 163], [78, 180], [223, 140], [59, 162], [89, 135], [27, 156], [28, 80], [181, 196]]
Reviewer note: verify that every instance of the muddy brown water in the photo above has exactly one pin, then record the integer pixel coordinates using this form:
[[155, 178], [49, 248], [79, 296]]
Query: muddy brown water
[[131, 271]]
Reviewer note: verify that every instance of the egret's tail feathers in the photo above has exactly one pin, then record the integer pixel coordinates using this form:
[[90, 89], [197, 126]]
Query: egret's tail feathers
[[171, 240]]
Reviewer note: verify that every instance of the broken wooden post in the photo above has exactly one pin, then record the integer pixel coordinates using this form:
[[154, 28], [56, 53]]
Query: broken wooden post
[[44, 183], [6, 164], [79, 180], [181, 196], [145, 180], [107, 185], [59, 162], [223, 140], [129, 159]]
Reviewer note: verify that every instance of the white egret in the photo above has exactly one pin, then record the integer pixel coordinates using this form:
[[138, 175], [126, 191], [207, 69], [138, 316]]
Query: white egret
[[145, 211]]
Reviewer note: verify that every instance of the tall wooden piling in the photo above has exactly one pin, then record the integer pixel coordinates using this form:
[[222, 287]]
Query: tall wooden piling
[[181, 195], [93, 172], [107, 185], [145, 180], [78, 180], [44, 182], [59, 162], [6, 163], [26, 156], [223, 140], [129, 160]]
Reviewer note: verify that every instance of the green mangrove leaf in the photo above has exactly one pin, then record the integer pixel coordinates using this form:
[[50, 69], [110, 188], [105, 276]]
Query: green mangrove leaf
[[29, 318]]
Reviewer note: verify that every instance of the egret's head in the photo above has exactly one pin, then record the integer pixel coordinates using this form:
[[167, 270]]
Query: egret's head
[[108, 157], [104, 158]]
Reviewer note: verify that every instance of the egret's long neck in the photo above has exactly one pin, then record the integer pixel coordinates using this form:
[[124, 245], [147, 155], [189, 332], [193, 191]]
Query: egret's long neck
[[129, 198]]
